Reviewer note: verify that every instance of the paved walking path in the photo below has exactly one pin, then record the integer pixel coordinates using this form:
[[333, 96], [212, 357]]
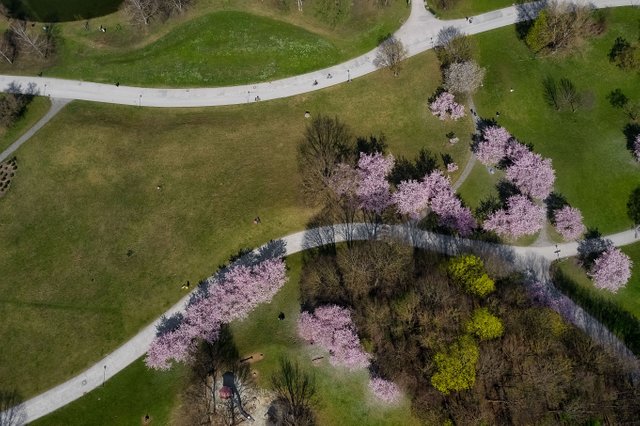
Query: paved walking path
[[536, 260], [418, 34], [56, 106]]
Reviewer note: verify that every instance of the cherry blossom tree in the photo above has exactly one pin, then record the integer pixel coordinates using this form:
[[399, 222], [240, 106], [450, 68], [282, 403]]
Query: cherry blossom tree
[[636, 147], [611, 270], [331, 328], [493, 148], [516, 150], [385, 390], [411, 198], [533, 175], [452, 167], [231, 296], [445, 106], [568, 223], [374, 190], [522, 217]]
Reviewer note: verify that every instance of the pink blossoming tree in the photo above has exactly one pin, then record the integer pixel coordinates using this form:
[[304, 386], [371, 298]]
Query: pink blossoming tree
[[522, 217], [331, 328], [568, 223], [636, 148], [385, 390], [374, 190], [411, 198], [445, 106], [493, 148], [232, 296], [533, 175], [452, 167], [611, 270]]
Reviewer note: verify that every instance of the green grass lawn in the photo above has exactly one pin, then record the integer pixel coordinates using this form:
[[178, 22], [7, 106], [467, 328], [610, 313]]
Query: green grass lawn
[[216, 43], [93, 251], [125, 399], [594, 170], [223, 48], [464, 8], [343, 396], [35, 111]]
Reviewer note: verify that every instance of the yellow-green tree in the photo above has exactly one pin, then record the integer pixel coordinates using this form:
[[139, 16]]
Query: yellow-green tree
[[468, 271], [456, 367], [484, 325]]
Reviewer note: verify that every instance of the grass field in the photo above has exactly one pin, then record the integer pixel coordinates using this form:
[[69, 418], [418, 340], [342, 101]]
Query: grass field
[[125, 399], [343, 395], [594, 169], [464, 8], [215, 43], [35, 111], [93, 250]]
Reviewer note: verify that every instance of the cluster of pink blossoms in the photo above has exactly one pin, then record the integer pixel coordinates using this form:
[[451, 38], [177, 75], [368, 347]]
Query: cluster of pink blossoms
[[452, 167], [530, 172], [230, 298], [445, 106], [522, 217], [434, 191], [493, 148], [331, 328], [385, 390], [636, 148], [611, 270], [373, 188], [568, 223], [533, 175]]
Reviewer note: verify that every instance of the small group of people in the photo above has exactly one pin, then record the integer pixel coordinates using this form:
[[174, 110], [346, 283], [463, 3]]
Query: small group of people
[[469, 19], [256, 220]]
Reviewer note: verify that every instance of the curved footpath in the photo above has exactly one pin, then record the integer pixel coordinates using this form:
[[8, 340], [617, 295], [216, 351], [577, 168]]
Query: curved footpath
[[534, 260], [418, 34]]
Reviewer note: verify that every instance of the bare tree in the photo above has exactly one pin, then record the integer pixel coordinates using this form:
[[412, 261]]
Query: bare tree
[[453, 46], [296, 390], [140, 12], [391, 53], [8, 46], [463, 77], [174, 7], [36, 41], [563, 25], [327, 142], [11, 409]]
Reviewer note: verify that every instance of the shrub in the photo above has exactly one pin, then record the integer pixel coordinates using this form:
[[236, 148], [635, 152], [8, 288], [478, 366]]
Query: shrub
[[484, 325]]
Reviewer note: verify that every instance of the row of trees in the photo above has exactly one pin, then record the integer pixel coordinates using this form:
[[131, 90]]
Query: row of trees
[[143, 12]]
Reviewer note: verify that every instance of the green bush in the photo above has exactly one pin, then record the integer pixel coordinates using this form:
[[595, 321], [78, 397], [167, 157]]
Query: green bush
[[484, 325], [456, 368]]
